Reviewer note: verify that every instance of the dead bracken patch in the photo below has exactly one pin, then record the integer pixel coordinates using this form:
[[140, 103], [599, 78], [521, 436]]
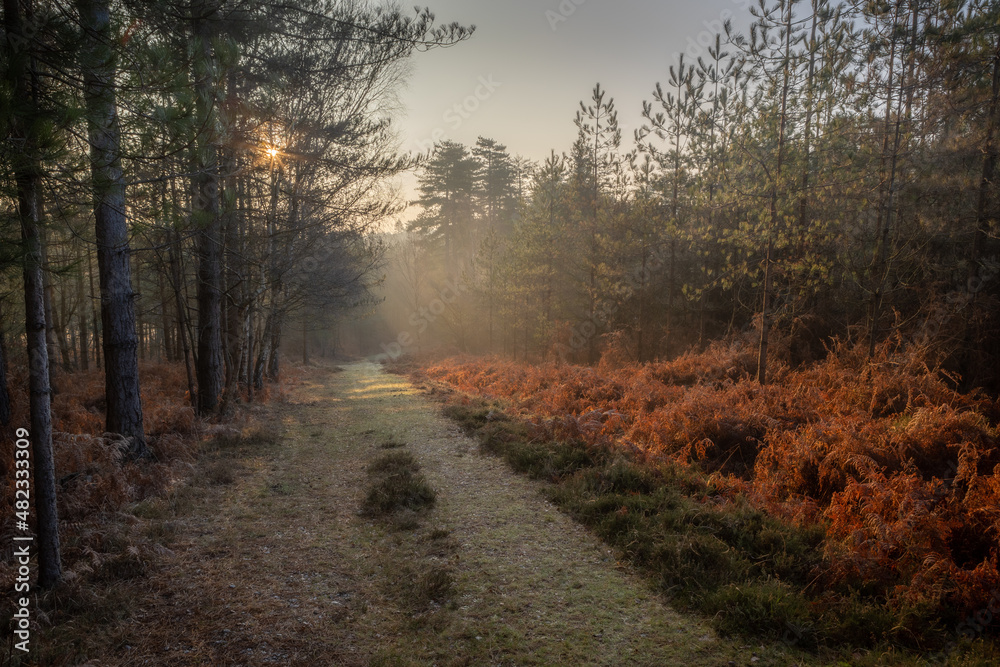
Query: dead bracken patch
[[855, 499]]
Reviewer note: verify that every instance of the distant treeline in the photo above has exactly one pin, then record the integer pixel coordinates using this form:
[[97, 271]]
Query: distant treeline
[[831, 173]]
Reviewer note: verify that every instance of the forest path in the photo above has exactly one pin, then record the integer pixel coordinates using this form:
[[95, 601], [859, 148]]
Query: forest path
[[281, 568]]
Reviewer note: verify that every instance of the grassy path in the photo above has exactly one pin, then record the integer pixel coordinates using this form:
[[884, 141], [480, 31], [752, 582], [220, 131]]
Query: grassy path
[[274, 564]]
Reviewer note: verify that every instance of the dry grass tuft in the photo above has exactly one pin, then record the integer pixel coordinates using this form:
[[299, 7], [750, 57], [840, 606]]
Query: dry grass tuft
[[396, 484]]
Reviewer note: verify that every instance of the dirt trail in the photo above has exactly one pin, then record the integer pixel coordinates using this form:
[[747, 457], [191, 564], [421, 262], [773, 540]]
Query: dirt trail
[[280, 567]]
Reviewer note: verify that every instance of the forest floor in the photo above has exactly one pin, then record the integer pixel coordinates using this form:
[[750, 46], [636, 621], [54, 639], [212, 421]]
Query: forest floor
[[273, 561]]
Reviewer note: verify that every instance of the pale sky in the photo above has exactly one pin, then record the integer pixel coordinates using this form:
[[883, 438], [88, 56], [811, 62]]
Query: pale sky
[[521, 76]]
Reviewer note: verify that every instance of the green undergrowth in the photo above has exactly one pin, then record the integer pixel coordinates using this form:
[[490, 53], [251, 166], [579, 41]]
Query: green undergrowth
[[752, 573]]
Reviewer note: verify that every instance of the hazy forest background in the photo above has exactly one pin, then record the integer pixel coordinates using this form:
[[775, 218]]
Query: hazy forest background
[[828, 174], [801, 239]]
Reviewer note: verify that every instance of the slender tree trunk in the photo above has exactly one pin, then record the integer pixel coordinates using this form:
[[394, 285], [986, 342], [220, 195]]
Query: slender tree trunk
[[235, 269], [592, 340], [765, 316], [72, 343], [713, 175], [886, 200], [95, 316], [43, 461], [60, 326], [767, 300], [268, 367], [274, 362], [671, 288], [4, 392], [176, 277], [807, 134], [525, 327], [594, 249], [640, 352], [207, 219], [263, 357], [250, 379], [50, 337], [27, 178], [82, 315], [675, 214], [121, 366], [142, 333], [168, 350]]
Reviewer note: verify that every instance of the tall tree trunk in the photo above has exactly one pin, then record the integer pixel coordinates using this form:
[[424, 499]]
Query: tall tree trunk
[[27, 177], [594, 242], [46, 513], [234, 274], [121, 366], [267, 364], [206, 216], [675, 203]]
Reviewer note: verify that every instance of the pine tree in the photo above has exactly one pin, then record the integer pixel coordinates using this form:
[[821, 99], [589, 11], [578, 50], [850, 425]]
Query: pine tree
[[447, 185], [719, 77], [205, 200], [540, 249], [597, 168], [495, 185], [121, 366], [26, 122], [673, 123], [772, 62]]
